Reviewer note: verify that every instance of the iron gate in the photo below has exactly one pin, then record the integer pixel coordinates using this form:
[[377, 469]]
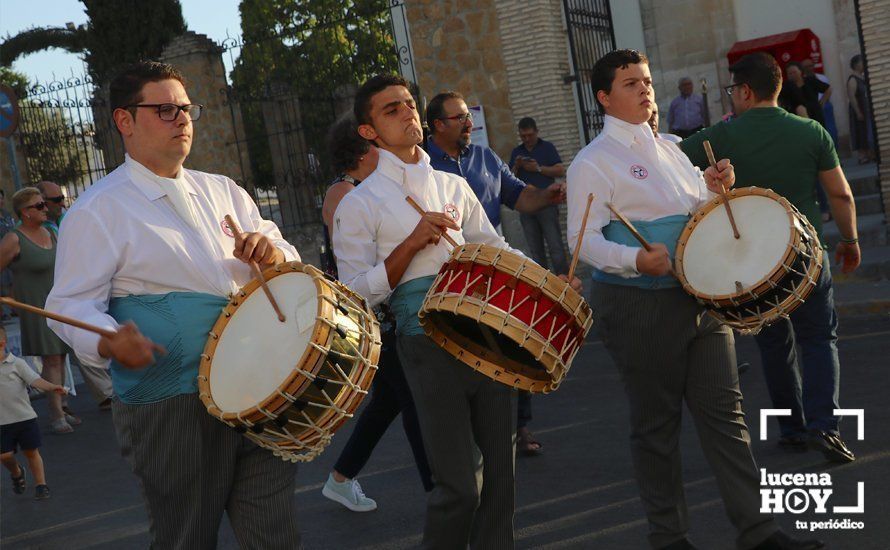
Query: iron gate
[[591, 36]]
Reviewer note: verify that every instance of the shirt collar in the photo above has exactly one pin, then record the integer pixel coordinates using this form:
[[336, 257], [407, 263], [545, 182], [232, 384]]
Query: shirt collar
[[9, 358], [151, 184], [626, 133], [437, 152], [392, 166]]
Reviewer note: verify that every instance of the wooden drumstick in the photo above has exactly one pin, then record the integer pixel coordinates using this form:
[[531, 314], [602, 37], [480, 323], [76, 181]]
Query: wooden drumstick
[[633, 231], [575, 256], [67, 320], [420, 211], [257, 272], [713, 161]]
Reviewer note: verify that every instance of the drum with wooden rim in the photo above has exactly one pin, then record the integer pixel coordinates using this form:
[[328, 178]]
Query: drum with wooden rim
[[288, 386], [758, 278], [506, 317]]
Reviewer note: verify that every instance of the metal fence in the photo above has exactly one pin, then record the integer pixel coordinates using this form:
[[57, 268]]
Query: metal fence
[[591, 36]]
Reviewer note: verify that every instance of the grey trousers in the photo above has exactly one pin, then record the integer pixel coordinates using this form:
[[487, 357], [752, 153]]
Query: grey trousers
[[542, 226], [669, 350], [192, 468], [461, 411]]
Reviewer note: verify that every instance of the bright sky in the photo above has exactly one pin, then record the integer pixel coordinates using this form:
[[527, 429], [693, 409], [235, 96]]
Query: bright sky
[[210, 17]]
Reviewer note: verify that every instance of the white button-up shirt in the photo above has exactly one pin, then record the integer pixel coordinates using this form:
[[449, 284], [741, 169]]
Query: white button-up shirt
[[371, 221], [123, 236], [643, 177]]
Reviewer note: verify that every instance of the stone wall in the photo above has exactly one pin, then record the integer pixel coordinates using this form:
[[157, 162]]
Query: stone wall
[[875, 17], [214, 148]]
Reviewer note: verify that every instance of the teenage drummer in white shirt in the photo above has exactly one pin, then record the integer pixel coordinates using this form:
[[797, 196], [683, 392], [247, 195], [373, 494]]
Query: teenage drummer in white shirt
[[667, 349], [386, 250], [148, 244]]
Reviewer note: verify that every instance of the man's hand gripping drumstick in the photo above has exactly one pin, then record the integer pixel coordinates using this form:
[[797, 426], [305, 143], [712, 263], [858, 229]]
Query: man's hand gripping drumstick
[[253, 249], [654, 259], [127, 345], [719, 177], [436, 226]]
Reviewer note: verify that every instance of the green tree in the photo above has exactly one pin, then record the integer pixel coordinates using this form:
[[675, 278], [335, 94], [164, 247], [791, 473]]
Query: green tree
[[118, 32], [314, 48]]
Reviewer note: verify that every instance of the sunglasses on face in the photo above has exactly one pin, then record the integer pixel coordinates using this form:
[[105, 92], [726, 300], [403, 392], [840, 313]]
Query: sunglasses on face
[[39, 206], [57, 200]]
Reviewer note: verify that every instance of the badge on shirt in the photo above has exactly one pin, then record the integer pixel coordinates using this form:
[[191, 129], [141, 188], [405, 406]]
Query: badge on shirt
[[226, 229], [639, 172], [452, 211]]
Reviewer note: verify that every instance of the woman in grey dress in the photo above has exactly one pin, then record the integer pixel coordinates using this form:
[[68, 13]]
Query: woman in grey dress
[[30, 252]]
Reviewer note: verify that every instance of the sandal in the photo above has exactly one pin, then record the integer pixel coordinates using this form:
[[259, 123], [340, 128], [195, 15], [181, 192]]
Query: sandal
[[61, 426], [18, 483], [72, 419], [527, 444]]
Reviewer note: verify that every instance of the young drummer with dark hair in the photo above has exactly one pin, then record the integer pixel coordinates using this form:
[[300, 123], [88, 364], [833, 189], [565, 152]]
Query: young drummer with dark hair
[[386, 251], [666, 348]]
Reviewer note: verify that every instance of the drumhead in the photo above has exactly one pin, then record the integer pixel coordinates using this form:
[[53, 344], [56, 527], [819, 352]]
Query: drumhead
[[713, 259], [256, 353]]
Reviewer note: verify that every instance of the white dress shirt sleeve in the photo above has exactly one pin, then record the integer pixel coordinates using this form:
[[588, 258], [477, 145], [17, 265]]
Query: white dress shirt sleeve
[[260, 225], [704, 194], [582, 178], [86, 261], [354, 239], [476, 227]]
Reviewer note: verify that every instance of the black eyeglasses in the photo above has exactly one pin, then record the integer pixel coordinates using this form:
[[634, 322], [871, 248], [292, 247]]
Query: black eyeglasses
[[39, 206], [728, 89], [461, 118], [168, 112], [58, 200]]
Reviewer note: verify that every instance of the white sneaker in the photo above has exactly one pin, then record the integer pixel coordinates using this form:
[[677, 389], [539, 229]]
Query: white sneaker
[[348, 493]]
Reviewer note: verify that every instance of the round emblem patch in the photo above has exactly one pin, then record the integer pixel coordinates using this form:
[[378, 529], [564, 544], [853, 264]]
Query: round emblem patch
[[639, 172], [452, 211], [226, 229]]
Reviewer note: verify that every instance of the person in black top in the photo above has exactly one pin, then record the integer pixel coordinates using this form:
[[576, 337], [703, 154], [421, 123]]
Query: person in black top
[[806, 91], [355, 159]]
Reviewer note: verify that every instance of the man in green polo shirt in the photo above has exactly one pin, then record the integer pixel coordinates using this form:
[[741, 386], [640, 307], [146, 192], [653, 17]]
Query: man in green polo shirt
[[772, 148]]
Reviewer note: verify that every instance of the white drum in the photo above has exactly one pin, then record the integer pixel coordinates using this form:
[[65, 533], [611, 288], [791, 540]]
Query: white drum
[[764, 275], [289, 386]]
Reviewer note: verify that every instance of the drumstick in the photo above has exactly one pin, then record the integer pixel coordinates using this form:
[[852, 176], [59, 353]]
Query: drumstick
[[575, 256], [713, 161], [633, 230], [257, 272], [68, 320], [420, 211]]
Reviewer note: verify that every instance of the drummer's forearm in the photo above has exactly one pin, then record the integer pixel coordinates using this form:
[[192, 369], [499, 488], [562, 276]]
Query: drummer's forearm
[[840, 200], [398, 261]]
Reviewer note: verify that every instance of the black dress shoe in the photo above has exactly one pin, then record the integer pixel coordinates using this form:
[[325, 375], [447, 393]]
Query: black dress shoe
[[793, 443], [831, 446], [781, 541], [682, 544]]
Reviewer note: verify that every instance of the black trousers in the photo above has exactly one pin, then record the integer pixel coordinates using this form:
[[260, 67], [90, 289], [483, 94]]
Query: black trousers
[[390, 395]]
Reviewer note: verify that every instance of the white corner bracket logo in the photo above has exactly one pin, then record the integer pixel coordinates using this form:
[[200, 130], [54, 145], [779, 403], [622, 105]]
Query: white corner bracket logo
[[858, 413]]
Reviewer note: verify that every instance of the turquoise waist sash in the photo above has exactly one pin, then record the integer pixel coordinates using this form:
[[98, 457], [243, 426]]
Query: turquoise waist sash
[[663, 230], [179, 321], [405, 303]]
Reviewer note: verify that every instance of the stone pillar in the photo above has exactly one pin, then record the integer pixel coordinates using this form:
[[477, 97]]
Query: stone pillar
[[874, 17], [215, 148]]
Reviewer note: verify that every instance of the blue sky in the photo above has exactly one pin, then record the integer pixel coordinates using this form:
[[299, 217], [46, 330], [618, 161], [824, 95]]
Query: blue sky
[[210, 17]]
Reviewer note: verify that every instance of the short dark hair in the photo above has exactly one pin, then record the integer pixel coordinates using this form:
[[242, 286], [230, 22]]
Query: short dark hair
[[436, 107], [854, 60], [794, 64], [372, 87], [604, 70], [527, 123], [126, 88], [345, 146], [760, 72]]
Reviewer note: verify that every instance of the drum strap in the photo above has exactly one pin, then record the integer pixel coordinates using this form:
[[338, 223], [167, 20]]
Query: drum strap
[[179, 321], [662, 230]]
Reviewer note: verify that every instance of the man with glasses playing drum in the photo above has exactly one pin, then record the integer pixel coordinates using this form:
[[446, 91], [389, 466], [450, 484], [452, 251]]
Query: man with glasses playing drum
[[666, 348], [788, 154], [148, 244]]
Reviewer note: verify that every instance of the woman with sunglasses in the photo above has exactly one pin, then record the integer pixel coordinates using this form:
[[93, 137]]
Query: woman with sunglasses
[[29, 251]]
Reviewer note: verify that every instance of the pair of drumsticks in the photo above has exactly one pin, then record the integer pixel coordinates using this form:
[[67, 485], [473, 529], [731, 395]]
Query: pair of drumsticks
[[110, 333]]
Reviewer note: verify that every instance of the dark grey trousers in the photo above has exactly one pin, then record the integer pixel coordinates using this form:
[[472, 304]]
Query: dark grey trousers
[[462, 414], [669, 350], [192, 468]]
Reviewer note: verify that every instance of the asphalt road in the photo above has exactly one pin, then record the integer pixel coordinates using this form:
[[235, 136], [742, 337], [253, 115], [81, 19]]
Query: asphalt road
[[579, 494]]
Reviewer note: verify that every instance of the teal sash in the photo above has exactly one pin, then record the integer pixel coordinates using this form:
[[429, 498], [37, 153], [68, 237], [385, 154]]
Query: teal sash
[[663, 230], [405, 303], [179, 321]]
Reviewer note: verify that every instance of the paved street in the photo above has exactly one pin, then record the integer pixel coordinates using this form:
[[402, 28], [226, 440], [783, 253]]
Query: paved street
[[579, 494]]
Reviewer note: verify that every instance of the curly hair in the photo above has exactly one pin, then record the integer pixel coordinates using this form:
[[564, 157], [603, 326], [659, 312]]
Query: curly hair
[[345, 146]]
